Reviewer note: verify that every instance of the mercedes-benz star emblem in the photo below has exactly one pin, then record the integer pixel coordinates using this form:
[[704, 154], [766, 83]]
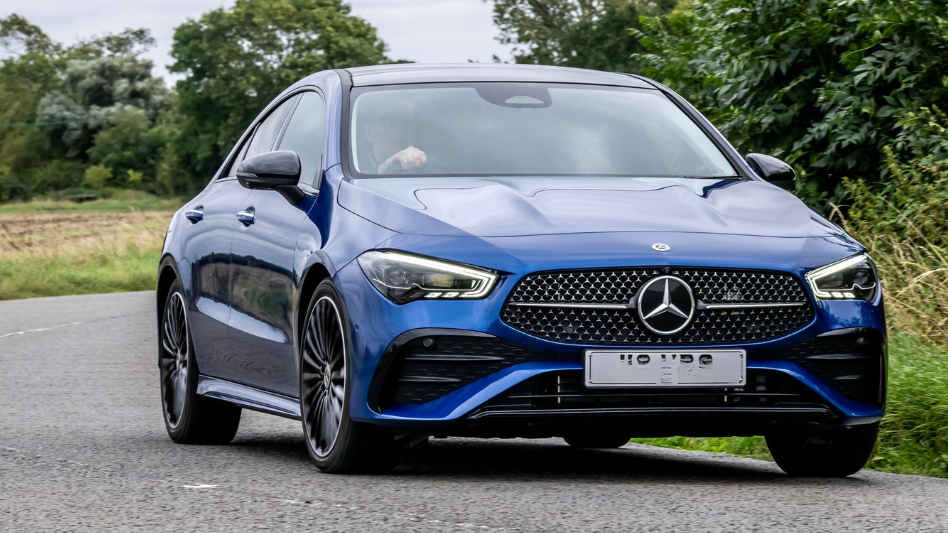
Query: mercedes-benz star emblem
[[666, 305], [659, 247]]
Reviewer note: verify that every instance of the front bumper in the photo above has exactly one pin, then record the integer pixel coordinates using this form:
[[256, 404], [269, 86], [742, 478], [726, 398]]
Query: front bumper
[[487, 402]]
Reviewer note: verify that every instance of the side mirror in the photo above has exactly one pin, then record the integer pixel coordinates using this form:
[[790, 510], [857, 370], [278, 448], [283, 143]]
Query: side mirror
[[278, 171], [772, 170]]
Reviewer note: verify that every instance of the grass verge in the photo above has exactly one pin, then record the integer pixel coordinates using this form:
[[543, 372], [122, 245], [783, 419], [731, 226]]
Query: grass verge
[[914, 434], [120, 201], [62, 253], [108, 268]]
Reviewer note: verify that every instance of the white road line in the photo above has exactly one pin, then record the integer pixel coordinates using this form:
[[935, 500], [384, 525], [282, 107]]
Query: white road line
[[37, 330]]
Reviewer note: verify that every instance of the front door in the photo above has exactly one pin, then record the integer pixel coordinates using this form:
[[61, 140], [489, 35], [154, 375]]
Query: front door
[[209, 229], [264, 285]]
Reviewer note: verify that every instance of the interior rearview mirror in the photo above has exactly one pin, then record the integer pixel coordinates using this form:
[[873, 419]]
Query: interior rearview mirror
[[772, 170], [278, 171]]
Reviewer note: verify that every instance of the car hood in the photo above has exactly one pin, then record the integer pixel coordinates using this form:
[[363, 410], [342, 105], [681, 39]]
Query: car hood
[[508, 207]]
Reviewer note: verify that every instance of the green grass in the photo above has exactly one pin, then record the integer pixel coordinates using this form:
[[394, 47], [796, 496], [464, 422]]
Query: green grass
[[914, 434], [99, 270], [119, 201]]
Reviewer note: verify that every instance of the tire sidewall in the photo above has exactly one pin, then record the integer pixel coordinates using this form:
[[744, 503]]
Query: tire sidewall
[[337, 455]]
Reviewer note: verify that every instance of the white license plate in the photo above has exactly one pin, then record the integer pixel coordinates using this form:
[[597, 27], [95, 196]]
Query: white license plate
[[661, 368]]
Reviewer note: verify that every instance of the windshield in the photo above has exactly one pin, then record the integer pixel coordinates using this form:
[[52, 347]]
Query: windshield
[[509, 129]]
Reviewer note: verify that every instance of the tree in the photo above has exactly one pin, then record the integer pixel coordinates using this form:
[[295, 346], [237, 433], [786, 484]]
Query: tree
[[131, 144], [56, 99], [30, 71], [575, 33], [107, 79], [825, 84], [236, 60]]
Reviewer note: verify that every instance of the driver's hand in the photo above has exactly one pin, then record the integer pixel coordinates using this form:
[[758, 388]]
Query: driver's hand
[[410, 158]]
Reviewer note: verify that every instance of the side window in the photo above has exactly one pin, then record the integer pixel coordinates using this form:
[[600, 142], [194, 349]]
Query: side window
[[305, 136], [269, 129]]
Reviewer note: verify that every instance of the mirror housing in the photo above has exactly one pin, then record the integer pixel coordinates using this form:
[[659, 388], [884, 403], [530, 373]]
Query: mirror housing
[[772, 170], [277, 171]]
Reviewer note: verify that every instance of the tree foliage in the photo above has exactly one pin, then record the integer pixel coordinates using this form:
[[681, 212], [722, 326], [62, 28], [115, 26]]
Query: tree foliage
[[574, 33], [58, 98], [236, 60], [825, 84], [96, 92]]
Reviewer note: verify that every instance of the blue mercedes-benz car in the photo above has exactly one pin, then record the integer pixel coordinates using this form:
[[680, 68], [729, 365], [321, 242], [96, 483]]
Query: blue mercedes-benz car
[[397, 252]]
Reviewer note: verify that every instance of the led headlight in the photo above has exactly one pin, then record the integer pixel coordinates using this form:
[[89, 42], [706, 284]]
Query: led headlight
[[403, 278], [850, 279]]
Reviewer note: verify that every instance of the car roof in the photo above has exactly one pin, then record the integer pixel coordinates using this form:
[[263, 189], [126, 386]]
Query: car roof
[[474, 72]]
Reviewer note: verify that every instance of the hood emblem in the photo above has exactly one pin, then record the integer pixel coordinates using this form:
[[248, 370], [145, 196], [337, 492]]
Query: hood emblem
[[665, 305], [659, 247]]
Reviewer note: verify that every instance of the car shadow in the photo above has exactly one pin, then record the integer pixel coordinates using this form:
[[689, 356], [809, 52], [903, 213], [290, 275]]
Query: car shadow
[[537, 460], [553, 458]]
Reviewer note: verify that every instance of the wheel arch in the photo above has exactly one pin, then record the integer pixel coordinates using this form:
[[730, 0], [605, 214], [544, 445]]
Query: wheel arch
[[167, 275], [312, 277]]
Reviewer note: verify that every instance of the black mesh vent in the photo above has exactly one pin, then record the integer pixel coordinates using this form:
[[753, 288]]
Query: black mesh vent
[[621, 326], [427, 368], [850, 362]]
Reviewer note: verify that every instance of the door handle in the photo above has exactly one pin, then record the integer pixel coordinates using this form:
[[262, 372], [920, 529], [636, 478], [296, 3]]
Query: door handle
[[246, 217], [195, 215]]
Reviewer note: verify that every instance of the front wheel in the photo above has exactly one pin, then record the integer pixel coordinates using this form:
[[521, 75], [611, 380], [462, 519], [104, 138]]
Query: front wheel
[[838, 453], [335, 443]]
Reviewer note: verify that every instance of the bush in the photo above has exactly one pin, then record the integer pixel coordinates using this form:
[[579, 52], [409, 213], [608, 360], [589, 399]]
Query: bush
[[823, 83], [905, 227], [97, 177], [914, 434]]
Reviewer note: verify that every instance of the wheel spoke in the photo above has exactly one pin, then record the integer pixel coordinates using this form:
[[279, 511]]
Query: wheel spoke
[[311, 376], [168, 336], [182, 340], [338, 391], [168, 347], [316, 420], [323, 335], [180, 382], [311, 394], [313, 351], [329, 423]]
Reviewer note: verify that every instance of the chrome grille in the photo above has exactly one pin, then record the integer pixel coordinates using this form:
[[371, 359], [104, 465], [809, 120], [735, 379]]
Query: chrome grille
[[594, 306]]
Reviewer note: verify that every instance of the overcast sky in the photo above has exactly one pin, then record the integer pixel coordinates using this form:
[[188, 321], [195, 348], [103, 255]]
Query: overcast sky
[[426, 31]]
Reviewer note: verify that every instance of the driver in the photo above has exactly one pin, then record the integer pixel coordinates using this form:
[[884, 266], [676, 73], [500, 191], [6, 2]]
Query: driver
[[389, 128]]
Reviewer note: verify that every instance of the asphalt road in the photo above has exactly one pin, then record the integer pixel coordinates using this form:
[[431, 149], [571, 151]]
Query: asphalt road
[[83, 448]]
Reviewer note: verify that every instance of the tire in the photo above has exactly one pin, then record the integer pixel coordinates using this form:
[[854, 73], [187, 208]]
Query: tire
[[335, 443], [189, 418], [600, 440], [838, 453]]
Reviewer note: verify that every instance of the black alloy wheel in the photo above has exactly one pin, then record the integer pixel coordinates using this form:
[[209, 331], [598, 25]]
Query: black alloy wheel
[[175, 352], [335, 443], [324, 376], [189, 418]]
